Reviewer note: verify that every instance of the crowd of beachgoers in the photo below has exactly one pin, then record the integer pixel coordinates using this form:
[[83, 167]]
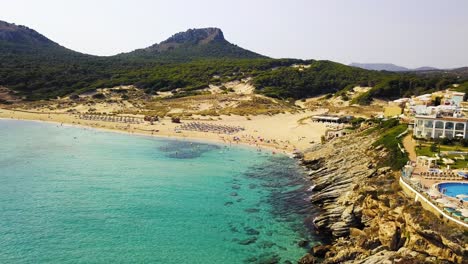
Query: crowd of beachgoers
[[258, 142]]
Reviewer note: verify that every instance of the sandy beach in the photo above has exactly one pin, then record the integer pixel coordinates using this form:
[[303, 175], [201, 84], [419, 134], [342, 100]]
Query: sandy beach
[[281, 133]]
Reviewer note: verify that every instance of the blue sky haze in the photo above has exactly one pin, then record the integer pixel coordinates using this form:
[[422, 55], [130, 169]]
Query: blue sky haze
[[410, 33]]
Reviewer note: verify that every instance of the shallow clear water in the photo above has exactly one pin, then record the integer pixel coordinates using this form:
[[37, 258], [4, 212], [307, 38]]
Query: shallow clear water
[[453, 189], [75, 195]]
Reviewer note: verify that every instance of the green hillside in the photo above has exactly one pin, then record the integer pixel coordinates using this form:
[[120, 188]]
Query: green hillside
[[38, 68]]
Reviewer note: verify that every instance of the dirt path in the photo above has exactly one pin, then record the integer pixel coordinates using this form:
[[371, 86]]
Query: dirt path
[[410, 145]]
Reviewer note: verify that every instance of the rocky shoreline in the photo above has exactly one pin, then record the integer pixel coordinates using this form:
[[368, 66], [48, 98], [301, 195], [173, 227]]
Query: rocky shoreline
[[366, 213]]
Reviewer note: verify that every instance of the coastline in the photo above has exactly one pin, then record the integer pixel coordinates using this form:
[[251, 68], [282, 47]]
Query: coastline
[[158, 136], [166, 129]]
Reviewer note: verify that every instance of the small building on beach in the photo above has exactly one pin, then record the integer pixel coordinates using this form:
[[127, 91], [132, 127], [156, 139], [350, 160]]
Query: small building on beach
[[331, 118], [336, 133]]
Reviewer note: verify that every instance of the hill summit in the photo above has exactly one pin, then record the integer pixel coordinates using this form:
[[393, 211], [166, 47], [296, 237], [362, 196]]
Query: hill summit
[[201, 36], [22, 35], [26, 45], [195, 44]]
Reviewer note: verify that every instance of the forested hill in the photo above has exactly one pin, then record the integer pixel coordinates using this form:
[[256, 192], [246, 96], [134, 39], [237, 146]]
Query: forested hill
[[38, 68], [20, 43]]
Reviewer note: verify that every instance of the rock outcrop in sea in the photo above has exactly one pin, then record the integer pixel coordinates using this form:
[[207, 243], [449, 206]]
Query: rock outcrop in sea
[[367, 214]]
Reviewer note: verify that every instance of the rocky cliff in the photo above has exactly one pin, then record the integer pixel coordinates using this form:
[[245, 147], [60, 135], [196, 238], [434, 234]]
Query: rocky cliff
[[365, 211], [192, 36]]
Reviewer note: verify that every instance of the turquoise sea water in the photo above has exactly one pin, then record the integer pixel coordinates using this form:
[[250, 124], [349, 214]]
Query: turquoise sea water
[[75, 195]]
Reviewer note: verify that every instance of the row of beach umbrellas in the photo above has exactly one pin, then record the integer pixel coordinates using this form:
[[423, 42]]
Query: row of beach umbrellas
[[106, 118]]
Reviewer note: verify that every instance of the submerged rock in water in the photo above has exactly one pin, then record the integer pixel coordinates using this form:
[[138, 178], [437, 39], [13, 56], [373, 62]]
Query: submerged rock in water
[[251, 260], [252, 210], [228, 203], [186, 150], [247, 241], [265, 244], [268, 258], [251, 232], [303, 243]]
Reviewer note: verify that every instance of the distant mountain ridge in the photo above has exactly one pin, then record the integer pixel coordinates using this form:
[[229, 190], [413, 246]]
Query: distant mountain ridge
[[388, 67], [183, 46], [425, 68]]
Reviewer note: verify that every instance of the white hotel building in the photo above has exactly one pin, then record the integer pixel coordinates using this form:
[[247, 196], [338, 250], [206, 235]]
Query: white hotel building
[[440, 127]]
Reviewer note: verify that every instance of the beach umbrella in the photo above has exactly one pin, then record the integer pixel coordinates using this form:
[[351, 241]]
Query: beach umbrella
[[414, 180], [464, 212], [443, 200], [433, 192], [463, 174], [450, 205]]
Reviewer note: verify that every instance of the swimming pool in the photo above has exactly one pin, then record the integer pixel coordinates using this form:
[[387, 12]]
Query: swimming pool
[[454, 188]]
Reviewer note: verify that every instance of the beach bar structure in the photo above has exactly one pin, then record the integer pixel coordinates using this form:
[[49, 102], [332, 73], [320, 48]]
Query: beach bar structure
[[331, 118]]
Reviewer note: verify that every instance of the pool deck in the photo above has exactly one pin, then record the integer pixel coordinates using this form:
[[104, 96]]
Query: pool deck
[[428, 204], [421, 184], [428, 184]]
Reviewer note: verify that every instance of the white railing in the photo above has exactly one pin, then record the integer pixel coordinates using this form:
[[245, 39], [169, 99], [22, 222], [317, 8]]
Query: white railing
[[402, 133]]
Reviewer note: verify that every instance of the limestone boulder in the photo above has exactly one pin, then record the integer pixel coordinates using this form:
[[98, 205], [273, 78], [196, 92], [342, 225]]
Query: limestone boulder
[[307, 259], [389, 235]]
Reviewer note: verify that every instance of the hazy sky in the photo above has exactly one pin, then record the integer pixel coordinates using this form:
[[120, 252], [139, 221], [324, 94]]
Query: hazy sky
[[410, 33]]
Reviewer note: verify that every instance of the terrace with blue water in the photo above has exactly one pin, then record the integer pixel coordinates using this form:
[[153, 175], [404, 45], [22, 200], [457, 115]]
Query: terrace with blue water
[[445, 188]]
